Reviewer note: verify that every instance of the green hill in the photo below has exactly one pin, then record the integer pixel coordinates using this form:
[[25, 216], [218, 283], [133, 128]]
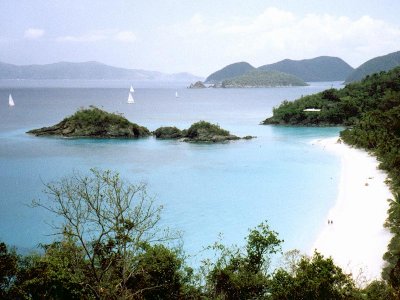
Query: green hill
[[229, 71], [94, 123], [375, 65], [323, 68], [259, 78]]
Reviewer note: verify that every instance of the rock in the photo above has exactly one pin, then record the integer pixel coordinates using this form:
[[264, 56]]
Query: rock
[[197, 85]]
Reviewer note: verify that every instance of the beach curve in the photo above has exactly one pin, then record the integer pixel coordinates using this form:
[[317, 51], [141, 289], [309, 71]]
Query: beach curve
[[353, 234]]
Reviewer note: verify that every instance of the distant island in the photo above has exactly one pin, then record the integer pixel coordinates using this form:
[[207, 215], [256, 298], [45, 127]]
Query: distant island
[[322, 68], [259, 78], [94, 123], [230, 71], [200, 132], [197, 85], [375, 65], [90, 70]]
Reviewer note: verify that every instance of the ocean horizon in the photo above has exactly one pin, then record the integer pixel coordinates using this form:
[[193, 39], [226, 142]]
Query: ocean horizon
[[205, 189]]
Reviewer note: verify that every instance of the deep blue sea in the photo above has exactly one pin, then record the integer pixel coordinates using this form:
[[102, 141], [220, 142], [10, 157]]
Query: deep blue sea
[[206, 189]]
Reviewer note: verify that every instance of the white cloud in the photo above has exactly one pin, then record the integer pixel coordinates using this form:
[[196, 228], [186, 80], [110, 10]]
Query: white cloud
[[99, 35], [33, 33], [125, 36], [276, 34]]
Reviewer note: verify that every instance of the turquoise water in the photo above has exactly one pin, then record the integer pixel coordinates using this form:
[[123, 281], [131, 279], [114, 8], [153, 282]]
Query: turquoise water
[[205, 189]]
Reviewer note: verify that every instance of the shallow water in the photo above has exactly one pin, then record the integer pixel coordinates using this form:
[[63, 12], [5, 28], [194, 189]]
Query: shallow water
[[205, 189]]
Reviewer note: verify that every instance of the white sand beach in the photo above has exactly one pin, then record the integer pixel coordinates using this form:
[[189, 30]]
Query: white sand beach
[[356, 239]]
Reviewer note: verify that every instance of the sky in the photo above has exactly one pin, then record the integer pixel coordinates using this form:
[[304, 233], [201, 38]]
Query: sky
[[196, 36]]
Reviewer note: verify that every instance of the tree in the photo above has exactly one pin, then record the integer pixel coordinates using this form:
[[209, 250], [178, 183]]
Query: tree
[[377, 290], [159, 274], [314, 278], [391, 269], [8, 269], [243, 273], [110, 221]]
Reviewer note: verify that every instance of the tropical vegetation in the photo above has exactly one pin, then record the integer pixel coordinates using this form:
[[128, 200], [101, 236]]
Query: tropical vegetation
[[259, 78], [199, 132]]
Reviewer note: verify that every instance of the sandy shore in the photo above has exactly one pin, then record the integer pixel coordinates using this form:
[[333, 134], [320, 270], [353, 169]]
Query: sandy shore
[[356, 239]]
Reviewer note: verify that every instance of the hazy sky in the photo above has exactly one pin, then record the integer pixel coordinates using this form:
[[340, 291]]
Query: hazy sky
[[198, 36]]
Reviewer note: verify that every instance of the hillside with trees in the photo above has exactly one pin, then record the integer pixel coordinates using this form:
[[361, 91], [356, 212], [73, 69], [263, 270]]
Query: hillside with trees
[[322, 68], [375, 65], [259, 78], [345, 106], [229, 71]]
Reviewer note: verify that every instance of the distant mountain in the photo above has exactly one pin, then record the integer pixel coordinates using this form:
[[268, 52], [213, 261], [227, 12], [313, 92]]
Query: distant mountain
[[259, 78], [375, 65], [87, 70], [229, 71], [322, 68]]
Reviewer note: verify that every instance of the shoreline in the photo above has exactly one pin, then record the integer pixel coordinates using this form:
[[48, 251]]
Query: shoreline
[[356, 238]]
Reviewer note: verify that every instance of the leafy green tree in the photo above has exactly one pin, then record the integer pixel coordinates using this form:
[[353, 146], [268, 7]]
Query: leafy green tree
[[160, 275], [378, 290], [314, 278], [243, 273]]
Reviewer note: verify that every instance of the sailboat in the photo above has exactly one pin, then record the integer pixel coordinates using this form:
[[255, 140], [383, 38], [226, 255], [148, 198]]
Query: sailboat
[[10, 101], [176, 94], [130, 99]]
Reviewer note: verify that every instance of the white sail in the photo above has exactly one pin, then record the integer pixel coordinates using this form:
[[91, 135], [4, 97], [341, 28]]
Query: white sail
[[10, 101], [130, 98], [176, 94], [131, 90]]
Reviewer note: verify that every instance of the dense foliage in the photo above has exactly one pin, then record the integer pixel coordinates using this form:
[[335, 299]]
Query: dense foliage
[[375, 65], [259, 78], [94, 122], [346, 106], [313, 278], [322, 68]]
